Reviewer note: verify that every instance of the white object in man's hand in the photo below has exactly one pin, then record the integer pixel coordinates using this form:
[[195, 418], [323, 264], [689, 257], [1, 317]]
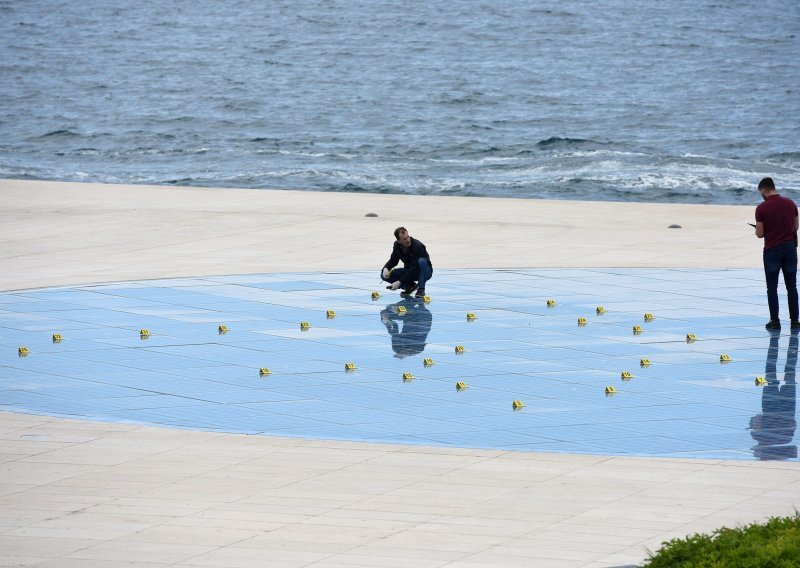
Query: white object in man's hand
[[386, 273], [395, 285]]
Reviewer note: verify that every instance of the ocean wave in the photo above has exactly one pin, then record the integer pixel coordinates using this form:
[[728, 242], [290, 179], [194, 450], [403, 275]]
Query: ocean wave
[[67, 136], [785, 162], [558, 142], [80, 152], [604, 174], [60, 133], [355, 188], [158, 151]]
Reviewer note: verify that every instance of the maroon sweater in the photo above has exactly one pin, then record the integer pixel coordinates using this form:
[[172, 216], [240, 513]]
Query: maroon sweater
[[777, 213]]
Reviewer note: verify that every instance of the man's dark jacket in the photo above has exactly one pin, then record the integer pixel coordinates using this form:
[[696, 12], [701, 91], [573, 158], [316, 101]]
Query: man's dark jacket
[[409, 256]]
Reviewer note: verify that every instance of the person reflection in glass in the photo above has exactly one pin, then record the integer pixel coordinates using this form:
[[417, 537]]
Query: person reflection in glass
[[774, 428], [409, 329]]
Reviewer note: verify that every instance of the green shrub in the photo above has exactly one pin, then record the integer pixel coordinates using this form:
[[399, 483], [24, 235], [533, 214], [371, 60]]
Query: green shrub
[[774, 544]]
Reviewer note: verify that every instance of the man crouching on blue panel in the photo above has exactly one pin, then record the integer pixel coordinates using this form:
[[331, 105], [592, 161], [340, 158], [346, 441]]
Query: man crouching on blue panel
[[417, 268]]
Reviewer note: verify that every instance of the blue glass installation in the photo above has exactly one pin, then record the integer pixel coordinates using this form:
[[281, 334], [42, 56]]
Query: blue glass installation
[[189, 374]]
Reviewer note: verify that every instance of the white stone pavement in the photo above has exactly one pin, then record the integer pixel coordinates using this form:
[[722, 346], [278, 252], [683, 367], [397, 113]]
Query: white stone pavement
[[86, 494]]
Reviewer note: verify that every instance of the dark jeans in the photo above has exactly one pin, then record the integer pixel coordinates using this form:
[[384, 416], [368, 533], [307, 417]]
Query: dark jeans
[[776, 259], [422, 272]]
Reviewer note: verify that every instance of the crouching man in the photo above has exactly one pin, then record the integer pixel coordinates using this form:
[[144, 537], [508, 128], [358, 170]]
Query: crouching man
[[417, 268]]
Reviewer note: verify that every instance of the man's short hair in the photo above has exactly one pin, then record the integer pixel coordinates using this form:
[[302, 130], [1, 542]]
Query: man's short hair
[[767, 184], [397, 232]]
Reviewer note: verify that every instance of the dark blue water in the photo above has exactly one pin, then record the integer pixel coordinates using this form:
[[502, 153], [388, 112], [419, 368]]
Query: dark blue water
[[667, 101]]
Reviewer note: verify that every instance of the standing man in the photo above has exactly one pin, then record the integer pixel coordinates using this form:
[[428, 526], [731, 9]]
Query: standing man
[[417, 265], [776, 223]]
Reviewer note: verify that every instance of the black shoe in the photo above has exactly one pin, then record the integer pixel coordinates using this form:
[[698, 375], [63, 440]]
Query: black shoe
[[795, 324], [773, 325], [421, 294], [409, 289]]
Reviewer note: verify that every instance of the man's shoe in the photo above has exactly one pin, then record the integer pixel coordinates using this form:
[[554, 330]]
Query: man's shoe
[[773, 325], [795, 324], [420, 293], [409, 289]]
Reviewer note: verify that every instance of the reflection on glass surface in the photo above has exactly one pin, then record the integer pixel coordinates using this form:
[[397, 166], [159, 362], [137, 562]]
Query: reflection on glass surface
[[774, 428], [409, 329]]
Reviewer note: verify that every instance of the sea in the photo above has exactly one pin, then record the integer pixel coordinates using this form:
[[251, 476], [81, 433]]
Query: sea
[[678, 101]]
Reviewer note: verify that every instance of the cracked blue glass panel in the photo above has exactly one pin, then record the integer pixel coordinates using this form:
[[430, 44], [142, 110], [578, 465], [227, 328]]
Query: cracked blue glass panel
[[187, 373]]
